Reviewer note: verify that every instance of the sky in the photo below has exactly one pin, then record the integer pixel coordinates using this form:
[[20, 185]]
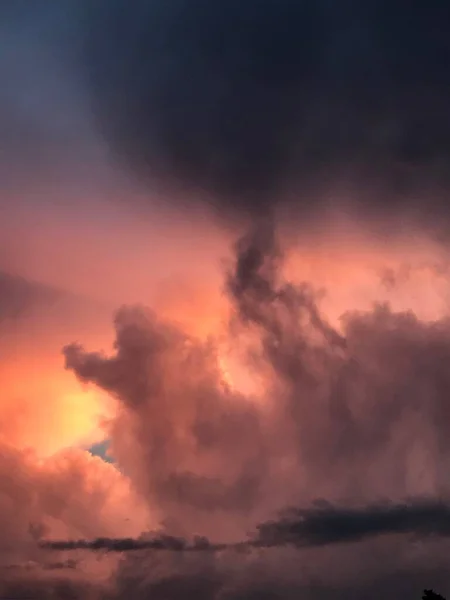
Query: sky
[[224, 299]]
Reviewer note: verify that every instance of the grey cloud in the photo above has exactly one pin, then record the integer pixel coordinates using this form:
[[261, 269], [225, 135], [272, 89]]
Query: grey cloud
[[328, 524], [247, 101], [230, 100], [320, 525]]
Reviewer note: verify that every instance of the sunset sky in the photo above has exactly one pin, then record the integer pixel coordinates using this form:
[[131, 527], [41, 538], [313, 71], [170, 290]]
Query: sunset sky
[[224, 298]]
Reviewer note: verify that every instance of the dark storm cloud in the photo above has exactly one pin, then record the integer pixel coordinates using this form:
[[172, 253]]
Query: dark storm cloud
[[327, 524], [170, 543], [320, 525], [170, 567], [245, 99]]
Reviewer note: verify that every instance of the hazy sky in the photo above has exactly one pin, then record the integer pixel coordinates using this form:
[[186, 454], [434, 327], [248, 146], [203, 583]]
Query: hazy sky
[[224, 262]]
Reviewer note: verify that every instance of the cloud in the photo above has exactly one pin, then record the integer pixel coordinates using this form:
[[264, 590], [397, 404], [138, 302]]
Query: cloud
[[71, 494], [244, 105], [175, 410], [169, 543], [352, 412], [68, 493], [328, 524], [319, 525]]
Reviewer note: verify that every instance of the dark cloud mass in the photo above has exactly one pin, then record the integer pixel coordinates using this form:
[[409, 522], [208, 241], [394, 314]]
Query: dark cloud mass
[[321, 525], [249, 100], [327, 524]]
